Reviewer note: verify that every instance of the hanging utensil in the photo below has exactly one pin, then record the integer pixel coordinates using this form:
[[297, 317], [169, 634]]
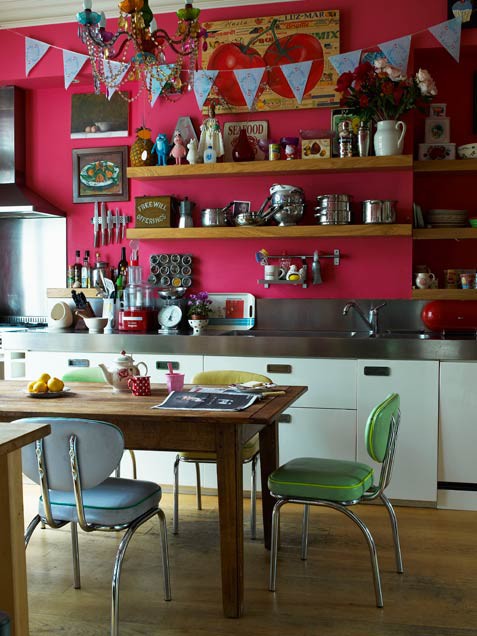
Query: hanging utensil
[[96, 225], [117, 226], [104, 227], [110, 227]]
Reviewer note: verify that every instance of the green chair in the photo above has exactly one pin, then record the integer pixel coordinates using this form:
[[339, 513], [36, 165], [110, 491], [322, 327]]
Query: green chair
[[250, 451], [339, 484], [94, 374]]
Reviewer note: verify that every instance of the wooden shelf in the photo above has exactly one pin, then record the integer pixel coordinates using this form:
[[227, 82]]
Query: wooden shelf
[[257, 168], [456, 166], [291, 231], [59, 292], [444, 294], [451, 233]]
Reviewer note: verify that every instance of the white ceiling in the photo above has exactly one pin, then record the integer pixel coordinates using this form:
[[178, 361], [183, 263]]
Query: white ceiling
[[19, 13]]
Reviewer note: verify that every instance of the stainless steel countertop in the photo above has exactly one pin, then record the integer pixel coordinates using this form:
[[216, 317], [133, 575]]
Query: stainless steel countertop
[[308, 345]]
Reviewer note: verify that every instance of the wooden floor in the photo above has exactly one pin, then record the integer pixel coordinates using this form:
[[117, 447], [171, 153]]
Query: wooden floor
[[329, 595]]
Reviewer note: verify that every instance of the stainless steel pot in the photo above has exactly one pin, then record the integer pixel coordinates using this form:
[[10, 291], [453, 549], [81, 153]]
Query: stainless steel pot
[[333, 201], [213, 217], [379, 211], [339, 216], [286, 194]]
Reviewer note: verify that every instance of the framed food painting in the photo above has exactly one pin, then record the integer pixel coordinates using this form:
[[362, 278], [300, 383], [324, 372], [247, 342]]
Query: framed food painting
[[271, 43], [100, 174]]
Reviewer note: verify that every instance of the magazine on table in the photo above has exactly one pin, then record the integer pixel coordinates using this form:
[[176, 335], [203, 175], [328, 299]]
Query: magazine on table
[[208, 400]]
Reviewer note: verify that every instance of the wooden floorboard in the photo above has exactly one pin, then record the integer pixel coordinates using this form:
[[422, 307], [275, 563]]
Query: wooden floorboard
[[331, 594]]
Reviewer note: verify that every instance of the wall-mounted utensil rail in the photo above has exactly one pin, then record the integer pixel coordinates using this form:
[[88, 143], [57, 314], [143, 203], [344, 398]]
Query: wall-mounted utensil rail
[[315, 257]]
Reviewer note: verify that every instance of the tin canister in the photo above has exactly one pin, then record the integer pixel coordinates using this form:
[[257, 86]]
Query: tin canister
[[274, 152]]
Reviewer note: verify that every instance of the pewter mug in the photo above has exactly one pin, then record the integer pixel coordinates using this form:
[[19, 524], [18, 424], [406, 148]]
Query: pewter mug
[[379, 211]]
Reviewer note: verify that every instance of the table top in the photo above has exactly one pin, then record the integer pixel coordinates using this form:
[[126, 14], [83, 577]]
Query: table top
[[14, 436]]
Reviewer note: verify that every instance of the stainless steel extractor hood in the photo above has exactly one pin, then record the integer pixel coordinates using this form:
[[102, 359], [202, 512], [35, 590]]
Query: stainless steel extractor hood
[[16, 199]]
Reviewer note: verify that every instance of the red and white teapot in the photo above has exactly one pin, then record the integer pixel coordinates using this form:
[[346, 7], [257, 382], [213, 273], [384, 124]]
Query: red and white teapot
[[121, 370]]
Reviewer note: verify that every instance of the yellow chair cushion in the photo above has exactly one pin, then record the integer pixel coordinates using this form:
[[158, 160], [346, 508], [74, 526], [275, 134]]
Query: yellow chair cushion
[[248, 451], [228, 377]]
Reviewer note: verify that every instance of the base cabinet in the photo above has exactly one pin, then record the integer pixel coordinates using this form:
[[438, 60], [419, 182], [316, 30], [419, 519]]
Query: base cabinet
[[414, 476]]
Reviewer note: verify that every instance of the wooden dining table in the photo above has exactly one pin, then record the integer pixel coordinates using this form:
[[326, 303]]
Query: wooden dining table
[[145, 428]]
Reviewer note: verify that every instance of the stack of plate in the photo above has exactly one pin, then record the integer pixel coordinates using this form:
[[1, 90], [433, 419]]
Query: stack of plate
[[447, 218]]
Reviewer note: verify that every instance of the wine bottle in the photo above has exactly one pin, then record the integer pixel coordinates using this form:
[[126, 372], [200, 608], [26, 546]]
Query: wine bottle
[[123, 266], [77, 270]]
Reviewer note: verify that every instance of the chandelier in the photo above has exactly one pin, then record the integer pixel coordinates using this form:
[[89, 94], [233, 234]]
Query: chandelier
[[137, 51]]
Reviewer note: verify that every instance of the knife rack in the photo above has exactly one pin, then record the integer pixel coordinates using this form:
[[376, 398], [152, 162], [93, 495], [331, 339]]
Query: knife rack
[[123, 219], [336, 256]]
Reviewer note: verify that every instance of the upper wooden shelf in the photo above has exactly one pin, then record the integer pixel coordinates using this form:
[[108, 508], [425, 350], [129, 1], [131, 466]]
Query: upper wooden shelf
[[445, 233], [290, 231], [444, 294], [455, 166], [296, 166]]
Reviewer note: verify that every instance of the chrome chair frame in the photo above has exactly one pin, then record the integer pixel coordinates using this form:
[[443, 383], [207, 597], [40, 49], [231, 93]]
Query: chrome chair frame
[[374, 493], [88, 527]]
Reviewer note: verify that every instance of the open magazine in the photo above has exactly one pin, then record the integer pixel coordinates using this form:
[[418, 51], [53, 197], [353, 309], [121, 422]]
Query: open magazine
[[208, 400]]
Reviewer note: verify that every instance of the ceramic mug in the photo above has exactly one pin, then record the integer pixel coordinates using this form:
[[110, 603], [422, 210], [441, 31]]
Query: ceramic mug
[[175, 381], [271, 272], [425, 280], [140, 385], [467, 280], [451, 279]]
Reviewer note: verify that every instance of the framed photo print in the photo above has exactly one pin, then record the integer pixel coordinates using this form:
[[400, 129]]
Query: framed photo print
[[100, 174], [94, 116], [240, 207]]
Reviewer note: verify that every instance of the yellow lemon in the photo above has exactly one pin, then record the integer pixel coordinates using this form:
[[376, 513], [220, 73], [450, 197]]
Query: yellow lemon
[[54, 384], [30, 386], [39, 387], [44, 377]]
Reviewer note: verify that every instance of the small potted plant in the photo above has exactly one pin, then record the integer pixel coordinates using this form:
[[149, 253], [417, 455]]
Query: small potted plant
[[199, 310]]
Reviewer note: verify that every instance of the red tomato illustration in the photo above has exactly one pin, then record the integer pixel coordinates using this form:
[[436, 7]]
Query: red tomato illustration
[[300, 47], [228, 57]]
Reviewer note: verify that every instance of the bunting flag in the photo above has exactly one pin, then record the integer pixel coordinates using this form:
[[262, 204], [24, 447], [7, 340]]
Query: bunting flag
[[345, 61], [397, 52], [297, 77], [72, 65], [158, 80], [203, 81], [249, 81], [114, 73], [34, 51], [448, 34]]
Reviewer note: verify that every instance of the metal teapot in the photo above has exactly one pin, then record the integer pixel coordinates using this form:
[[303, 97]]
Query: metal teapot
[[122, 369]]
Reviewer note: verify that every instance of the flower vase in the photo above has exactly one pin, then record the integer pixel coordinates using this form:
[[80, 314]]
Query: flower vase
[[243, 149], [198, 325], [389, 137]]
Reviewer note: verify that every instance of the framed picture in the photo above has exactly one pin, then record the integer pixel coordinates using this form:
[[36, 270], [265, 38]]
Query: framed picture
[[437, 110], [437, 130], [257, 131], [339, 115], [466, 10], [474, 105], [94, 116], [241, 207], [100, 174]]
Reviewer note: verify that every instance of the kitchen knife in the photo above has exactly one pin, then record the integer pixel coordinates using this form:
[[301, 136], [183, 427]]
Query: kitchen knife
[[123, 227], [110, 227], [104, 227], [117, 223], [96, 225]]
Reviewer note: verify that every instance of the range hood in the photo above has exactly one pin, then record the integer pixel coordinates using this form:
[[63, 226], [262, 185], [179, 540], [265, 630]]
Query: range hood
[[16, 199]]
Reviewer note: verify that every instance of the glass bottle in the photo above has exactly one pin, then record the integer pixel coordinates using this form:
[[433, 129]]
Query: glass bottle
[[243, 149], [77, 270], [210, 156], [123, 266], [86, 271]]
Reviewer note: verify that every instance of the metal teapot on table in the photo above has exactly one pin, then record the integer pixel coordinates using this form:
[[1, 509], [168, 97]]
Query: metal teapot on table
[[122, 369]]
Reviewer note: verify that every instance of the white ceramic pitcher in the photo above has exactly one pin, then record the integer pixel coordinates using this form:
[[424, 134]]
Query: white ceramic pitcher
[[389, 137]]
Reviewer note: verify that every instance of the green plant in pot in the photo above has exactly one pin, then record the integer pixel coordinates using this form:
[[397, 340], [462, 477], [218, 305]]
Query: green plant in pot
[[199, 306]]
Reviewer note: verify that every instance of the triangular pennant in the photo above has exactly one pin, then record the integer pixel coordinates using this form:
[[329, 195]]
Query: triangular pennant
[[203, 81], [397, 52], [249, 82], [72, 64], [297, 77], [113, 74], [34, 51], [157, 79], [345, 61], [448, 34]]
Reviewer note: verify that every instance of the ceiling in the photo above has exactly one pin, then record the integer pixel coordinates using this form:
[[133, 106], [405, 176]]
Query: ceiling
[[15, 13]]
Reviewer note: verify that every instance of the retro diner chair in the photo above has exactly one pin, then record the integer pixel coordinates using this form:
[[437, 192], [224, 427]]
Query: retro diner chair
[[94, 374], [72, 466], [250, 451], [340, 484]]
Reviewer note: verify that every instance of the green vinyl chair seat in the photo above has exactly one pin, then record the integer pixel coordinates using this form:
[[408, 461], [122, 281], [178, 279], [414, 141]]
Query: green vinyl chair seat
[[321, 478]]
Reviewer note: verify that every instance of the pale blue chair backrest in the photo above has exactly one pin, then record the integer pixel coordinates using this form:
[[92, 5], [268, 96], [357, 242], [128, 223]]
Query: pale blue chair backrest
[[100, 446]]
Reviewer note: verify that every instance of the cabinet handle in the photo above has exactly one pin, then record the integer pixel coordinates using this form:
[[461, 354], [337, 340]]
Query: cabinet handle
[[279, 368], [377, 371], [285, 418], [78, 362], [162, 365]]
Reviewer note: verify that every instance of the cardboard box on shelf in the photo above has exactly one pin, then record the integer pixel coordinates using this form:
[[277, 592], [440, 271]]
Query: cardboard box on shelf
[[436, 151]]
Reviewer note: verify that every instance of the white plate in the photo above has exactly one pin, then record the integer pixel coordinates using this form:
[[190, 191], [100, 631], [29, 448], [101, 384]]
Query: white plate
[[243, 388], [48, 394]]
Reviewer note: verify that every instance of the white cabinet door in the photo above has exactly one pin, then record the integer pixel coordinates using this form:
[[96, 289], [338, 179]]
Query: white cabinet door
[[157, 365], [56, 363], [414, 475]]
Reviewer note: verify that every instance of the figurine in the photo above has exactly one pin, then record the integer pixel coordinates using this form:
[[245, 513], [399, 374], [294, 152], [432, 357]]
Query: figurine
[[178, 150], [210, 135], [290, 151], [161, 147], [192, 155]]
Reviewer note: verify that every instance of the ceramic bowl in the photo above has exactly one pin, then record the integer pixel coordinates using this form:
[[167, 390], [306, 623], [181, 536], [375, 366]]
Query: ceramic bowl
[[95, 324], [467, 151], [61, 316]]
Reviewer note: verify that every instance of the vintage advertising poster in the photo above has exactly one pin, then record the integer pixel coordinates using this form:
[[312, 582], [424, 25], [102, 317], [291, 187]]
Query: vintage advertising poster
[[272, 42], [256, 131]]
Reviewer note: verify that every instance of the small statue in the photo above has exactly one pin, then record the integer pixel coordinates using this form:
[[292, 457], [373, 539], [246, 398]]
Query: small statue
[[178, 150], [161, 147], [192, 154], [210, 135]]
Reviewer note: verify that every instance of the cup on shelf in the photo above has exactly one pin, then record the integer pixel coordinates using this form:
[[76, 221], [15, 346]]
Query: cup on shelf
[[271, 272], [425, 280], [467, 280], [175, 381], [451, 279]]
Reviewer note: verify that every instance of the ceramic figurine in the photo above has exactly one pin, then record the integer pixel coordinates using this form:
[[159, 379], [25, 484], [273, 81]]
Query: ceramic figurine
[[210, 135], [161, 147], [178, 150], [192, 154]]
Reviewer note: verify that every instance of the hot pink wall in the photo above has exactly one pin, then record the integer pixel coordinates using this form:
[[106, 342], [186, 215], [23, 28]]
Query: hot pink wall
[[370, 267]]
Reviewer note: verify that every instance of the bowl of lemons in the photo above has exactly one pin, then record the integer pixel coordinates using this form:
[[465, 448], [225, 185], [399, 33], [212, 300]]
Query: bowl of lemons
[[46, 386]]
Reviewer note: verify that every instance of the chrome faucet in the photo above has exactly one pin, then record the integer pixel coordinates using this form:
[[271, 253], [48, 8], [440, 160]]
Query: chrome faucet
[[372, 321]]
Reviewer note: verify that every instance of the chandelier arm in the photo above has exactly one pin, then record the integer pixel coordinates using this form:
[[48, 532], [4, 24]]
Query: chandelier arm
[[172, 43]]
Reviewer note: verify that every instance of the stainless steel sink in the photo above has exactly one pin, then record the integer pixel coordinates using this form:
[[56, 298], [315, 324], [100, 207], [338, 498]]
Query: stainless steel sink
[[266, 333]]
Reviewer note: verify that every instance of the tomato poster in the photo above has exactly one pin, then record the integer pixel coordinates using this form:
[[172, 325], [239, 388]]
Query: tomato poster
[[272, 42]]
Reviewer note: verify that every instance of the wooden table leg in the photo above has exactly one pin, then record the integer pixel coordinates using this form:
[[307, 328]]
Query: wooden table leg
[[230, 494], [268, 463], [13, 581]]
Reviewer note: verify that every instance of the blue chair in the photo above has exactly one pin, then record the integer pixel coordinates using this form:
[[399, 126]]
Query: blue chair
[[339, 484], [72, 466]]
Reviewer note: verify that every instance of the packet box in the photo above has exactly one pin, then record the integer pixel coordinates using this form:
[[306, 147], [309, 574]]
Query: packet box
[[315, 148], [436, 152]]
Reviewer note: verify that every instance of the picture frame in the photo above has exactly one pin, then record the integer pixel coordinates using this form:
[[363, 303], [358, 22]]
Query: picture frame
[[100, 174], [337, 116], [467, 15], [437, 110], [240, 207], [437, 130], [474, 105], [94, 116]]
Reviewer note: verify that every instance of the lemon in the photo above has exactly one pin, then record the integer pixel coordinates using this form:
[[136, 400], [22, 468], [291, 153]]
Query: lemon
[[30, 386], [44, 377], [39, 387], [55, 385]]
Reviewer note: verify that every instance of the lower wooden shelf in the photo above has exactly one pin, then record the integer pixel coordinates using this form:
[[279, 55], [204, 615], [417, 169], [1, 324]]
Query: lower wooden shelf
[[444, 294]]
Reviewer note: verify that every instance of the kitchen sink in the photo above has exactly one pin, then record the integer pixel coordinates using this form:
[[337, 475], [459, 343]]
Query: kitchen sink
[[266, 333]]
